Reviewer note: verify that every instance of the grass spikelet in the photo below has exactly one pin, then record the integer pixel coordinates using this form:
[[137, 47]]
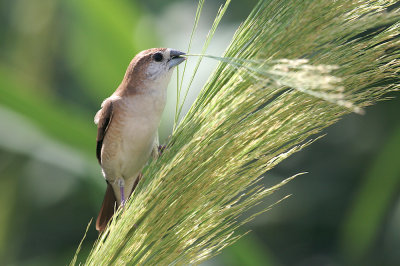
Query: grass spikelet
[[179, 87], [302, 65], [209, 37]]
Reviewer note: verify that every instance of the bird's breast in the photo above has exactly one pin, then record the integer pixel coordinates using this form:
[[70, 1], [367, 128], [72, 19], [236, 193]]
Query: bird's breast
[[130, 136]]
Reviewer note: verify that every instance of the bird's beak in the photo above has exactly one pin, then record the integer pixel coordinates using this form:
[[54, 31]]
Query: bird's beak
[[176, 57]]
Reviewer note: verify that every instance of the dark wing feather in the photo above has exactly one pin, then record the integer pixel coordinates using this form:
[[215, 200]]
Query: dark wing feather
[[103, 118]]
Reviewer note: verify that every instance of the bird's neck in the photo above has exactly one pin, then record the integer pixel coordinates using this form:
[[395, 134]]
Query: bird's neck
[[138, 86]]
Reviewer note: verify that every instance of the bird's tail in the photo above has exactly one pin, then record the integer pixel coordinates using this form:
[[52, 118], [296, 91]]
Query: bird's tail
[[107, 209], [109, 206]]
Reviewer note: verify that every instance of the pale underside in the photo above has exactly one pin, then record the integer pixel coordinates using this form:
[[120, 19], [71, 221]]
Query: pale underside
[[130, 138]]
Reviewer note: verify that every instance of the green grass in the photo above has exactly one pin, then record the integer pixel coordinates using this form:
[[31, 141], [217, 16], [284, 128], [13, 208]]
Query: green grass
[[294, 69]]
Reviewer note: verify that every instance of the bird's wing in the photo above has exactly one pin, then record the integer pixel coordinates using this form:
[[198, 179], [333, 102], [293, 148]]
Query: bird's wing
[[103, 119]]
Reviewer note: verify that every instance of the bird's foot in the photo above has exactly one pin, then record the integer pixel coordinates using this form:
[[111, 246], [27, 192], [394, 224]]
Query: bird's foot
[[161, 149], [121, 184]]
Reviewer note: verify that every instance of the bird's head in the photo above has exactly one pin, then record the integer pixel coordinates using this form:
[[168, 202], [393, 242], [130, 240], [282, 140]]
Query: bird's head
[[153, 66]]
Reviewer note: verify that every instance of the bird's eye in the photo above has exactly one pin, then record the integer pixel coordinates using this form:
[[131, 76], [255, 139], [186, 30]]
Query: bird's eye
[[158, 57]]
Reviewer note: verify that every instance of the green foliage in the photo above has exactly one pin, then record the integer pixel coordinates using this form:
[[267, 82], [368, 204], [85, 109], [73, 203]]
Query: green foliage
[[93, 22], [49, 114], [372, 201], [26, 92], [186, 209]]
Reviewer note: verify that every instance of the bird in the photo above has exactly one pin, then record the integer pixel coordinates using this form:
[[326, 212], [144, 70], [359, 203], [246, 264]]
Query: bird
[[127, 125]]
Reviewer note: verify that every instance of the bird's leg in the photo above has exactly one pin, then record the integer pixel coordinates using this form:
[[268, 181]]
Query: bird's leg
[[121, 184], [161, 149]]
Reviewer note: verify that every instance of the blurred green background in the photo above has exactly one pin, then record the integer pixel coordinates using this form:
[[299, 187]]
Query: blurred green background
[[60, 59]]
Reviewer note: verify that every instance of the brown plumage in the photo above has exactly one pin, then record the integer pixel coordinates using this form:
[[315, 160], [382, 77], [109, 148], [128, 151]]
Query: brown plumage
[[107, 209], [127, 125], [104, 120]]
